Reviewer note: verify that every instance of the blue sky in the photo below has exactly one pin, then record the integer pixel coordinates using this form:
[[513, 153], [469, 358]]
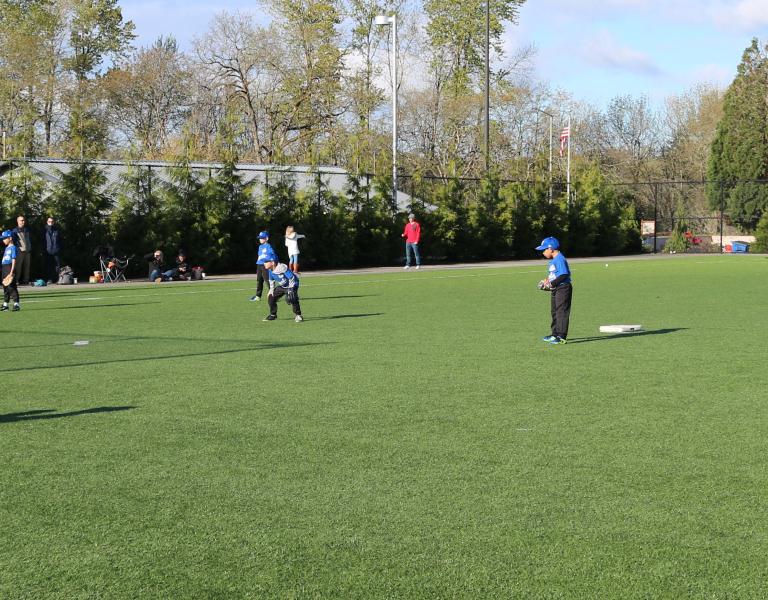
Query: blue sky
[[598, 49], [594, 49]]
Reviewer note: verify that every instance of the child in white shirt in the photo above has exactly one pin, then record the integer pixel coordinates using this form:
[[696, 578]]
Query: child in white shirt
[[292, 243]]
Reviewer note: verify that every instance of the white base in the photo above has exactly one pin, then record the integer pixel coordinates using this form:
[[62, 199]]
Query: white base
[[620, 328]]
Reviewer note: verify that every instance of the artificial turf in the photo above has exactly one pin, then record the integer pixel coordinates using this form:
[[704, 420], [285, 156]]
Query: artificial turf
[[413, 438]]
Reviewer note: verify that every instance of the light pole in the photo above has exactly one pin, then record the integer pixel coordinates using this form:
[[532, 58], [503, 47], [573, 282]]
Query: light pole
[[550, 115], [392, 20], [488, 89]]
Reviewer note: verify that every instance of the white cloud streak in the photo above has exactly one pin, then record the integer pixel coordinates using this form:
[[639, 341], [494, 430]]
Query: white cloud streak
[[604, 50]]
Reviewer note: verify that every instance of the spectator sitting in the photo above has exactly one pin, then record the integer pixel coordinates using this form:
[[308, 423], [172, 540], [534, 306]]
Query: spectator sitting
[[156, 265], [181, 272]]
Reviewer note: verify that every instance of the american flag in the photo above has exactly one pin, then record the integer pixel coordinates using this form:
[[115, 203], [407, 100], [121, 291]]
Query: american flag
[[565, 137]]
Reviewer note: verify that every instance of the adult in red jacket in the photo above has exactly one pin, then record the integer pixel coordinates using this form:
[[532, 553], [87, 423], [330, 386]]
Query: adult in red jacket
[[412, 235]]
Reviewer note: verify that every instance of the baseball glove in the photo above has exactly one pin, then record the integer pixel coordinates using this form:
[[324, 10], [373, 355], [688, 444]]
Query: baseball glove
[[8, 279], [544, 285], [290, 296]]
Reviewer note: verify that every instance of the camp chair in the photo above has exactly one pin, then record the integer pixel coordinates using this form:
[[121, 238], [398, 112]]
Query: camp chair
[[104, 254], [116, 268]]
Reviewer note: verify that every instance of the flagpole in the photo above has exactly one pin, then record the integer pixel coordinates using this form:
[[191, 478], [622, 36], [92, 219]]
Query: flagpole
[[568, 168]]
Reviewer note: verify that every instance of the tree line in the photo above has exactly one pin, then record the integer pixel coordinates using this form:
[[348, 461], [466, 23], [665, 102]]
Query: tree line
[[214, 216]]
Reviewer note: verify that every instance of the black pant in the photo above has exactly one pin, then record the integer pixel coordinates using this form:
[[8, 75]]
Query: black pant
[[262, 276], [278, 293], [22, 266], [10, 292], [561, 309], [52, 266]]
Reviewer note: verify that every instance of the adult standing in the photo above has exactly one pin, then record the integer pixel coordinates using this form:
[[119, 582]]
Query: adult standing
[[53, 243], [22, 239], [412, 235]]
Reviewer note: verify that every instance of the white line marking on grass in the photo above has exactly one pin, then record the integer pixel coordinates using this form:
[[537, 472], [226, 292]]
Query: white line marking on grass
[[522, 429]]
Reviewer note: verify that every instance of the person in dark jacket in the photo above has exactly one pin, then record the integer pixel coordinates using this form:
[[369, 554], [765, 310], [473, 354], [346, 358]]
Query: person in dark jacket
[[156, 265], [22, 239], [181, 271], [53, 244]]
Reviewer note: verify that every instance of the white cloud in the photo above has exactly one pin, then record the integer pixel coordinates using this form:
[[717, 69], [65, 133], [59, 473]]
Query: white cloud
[[712, 73], [745, 15], [742, 15], [605, 50]]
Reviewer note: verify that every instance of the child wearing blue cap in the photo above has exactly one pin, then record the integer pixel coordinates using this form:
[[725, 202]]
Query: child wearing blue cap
[[558, 281], [266, 253], [282, 282], [10, 291]]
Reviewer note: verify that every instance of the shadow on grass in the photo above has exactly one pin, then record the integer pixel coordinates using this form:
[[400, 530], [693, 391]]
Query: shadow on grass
[[344, 316], [77, 292], [101, 338], [38, 415], [616, 336], [90, 306], [337, 297], [114, 361]]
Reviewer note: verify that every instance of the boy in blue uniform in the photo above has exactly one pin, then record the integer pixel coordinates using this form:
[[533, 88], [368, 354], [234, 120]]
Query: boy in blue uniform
[[266, 252], [282, 282], [558, 280], [10, 291]]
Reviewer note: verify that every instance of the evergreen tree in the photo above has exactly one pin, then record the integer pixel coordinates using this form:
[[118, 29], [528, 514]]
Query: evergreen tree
[[231, 220], [740, 148], [530, 216], [184, 215], [761, 235], [21, 193], [489, 238], [82, 205], [372, 222], [135, 224]]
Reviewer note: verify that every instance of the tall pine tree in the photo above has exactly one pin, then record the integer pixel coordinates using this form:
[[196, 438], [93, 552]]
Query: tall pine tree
[[740, 148]]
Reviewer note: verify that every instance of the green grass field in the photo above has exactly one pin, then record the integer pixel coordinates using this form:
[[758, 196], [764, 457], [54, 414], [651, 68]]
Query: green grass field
[[413, 438]]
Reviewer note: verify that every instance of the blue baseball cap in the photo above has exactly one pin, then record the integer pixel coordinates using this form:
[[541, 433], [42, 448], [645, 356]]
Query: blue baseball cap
[[6, 234], [263, 235], [549, 242]]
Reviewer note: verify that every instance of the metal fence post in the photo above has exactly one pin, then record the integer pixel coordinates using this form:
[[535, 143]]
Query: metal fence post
[[722, 210], [655, 215]]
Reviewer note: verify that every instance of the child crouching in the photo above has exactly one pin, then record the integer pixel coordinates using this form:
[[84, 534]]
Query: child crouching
[[282, 282]]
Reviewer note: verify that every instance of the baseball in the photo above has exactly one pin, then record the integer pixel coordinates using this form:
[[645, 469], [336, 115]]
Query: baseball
[[606, 265]]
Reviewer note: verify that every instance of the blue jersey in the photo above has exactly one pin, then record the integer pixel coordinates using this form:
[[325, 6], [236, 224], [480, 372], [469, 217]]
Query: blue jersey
[[284, 277], [266, 252], [559, 266], [9, 255]]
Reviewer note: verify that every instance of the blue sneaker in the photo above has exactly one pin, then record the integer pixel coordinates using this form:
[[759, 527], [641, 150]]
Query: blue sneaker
[[549, 338], [558, 340]]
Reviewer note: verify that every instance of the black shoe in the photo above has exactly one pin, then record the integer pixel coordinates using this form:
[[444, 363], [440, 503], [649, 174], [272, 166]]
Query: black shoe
[[4, 308], [16, 307], [267, 318]]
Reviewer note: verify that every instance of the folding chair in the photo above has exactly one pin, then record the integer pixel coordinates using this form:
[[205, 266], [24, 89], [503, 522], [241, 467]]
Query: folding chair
[[104, 253], [117, 267]]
